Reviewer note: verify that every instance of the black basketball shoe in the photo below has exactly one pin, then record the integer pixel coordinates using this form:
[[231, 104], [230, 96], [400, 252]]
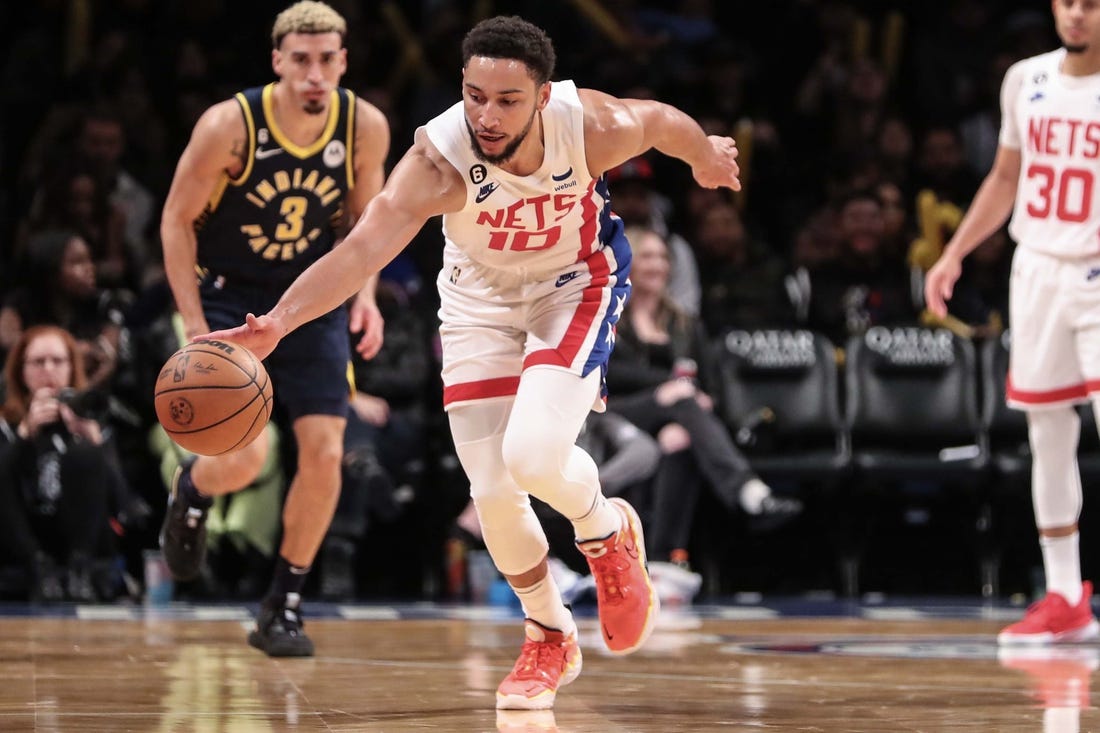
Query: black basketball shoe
[[183, 535], [278, 631]]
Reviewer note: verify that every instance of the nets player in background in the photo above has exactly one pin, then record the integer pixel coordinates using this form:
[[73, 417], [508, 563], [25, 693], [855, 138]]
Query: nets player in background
[[1046, 176], [534, 278], [267, 184]]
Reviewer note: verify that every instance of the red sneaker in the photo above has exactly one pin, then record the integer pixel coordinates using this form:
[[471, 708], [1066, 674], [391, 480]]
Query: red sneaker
[[627, 600], [1053, 620], [549, 660]]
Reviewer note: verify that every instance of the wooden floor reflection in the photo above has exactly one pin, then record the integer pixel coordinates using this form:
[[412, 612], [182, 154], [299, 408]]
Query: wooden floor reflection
[[160, 673]]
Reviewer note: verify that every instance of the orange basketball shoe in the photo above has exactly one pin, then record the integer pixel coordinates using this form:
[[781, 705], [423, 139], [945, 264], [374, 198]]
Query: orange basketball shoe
[[548, 660], [1054, 620], [627, 600]]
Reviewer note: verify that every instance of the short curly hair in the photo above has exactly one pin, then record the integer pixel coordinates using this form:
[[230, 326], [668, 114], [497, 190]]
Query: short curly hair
[[307, 16], [512, 37]]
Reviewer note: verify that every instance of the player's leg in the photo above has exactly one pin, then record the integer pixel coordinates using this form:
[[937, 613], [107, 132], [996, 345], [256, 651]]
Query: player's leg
[[307, 513], [570, 325], [482, 360], [550, 656], [310, 369], [1045, 378], [541, 454]]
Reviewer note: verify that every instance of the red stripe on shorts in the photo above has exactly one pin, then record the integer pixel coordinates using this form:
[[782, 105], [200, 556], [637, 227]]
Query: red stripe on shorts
[[586, 313], [480, 390], [1050, 396]]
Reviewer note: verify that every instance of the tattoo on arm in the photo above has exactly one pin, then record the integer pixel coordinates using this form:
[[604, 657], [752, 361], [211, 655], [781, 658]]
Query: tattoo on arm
[[239, 150]]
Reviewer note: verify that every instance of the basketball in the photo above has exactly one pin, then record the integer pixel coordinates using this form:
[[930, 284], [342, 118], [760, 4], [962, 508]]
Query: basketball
[[213, 397]]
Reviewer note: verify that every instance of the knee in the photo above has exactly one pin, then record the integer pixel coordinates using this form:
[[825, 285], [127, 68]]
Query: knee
[[1053, 431], [673, 438], [532, 459], [323, 461]]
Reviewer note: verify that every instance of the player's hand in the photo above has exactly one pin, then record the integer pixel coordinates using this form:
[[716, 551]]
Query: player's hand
[[364, 316], [719, 168], [259, 334], [939, 283]]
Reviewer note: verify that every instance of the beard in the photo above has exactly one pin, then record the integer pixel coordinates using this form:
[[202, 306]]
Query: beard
[[313, 108], [509, 150]]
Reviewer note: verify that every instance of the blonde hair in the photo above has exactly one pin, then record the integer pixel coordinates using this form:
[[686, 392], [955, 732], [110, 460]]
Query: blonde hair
[[307, 16]]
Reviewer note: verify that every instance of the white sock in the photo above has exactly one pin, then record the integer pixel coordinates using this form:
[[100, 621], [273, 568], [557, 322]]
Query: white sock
[[542, 602], [1062, 563], [753, 493], [602, 520]]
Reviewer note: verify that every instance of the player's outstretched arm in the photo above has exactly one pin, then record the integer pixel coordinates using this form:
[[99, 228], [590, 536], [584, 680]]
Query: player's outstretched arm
[[617, 130], [421, 186]]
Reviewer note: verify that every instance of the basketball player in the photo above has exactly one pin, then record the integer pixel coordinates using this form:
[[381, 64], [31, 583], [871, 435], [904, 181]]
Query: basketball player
[[534, 278], [264, 188], [1046, 175]]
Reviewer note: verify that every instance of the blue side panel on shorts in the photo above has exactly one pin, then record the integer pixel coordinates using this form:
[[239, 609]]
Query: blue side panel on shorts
[[616, 249]]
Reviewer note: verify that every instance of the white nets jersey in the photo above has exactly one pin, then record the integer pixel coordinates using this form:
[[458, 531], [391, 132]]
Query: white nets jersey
[[1054, 121], [557, 216]]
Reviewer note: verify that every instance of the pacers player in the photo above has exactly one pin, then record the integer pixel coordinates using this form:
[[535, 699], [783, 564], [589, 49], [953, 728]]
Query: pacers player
[[267, 184], [1047, 176]]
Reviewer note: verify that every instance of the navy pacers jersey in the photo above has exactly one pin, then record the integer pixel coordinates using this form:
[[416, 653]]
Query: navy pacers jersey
[[285, 209]]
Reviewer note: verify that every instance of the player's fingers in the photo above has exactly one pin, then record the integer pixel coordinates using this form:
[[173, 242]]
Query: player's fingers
[[368, 346]]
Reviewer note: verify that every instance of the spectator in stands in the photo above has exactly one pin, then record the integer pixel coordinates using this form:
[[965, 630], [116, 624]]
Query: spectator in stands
[[61, 290], [865, 285], [661, 380], [743, 281], [384, 461], [101, 144], [635, 199], [73, 198], [57, 473]]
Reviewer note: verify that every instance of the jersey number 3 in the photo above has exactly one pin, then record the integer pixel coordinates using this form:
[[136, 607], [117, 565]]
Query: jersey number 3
[[1066, 193], [293, 210]]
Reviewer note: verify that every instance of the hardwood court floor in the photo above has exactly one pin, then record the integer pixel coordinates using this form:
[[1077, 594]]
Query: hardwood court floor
[[428, 668]]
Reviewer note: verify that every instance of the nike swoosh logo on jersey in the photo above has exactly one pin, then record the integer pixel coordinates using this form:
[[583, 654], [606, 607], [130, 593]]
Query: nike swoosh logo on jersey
[[485, 191], [563, 176], [262, 153], [563, 279], [1092, 274]]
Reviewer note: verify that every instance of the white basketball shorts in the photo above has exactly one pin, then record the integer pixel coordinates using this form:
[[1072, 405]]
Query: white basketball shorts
[[1054, 312], [495, 323]]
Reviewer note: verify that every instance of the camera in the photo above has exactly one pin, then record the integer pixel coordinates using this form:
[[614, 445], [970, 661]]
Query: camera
[[90, 404]]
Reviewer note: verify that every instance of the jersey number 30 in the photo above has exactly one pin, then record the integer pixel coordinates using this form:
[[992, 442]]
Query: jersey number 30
[[1066, 193]]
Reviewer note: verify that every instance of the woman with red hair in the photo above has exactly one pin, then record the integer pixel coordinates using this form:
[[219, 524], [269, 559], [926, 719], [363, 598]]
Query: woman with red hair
[[56, 472]]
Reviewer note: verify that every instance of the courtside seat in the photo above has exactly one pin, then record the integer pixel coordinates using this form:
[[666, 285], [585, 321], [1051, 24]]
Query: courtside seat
[[780, 397], [920, 462], [912, 405]]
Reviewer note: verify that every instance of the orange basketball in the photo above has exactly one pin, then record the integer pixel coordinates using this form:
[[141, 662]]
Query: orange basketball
[[213, 397]]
